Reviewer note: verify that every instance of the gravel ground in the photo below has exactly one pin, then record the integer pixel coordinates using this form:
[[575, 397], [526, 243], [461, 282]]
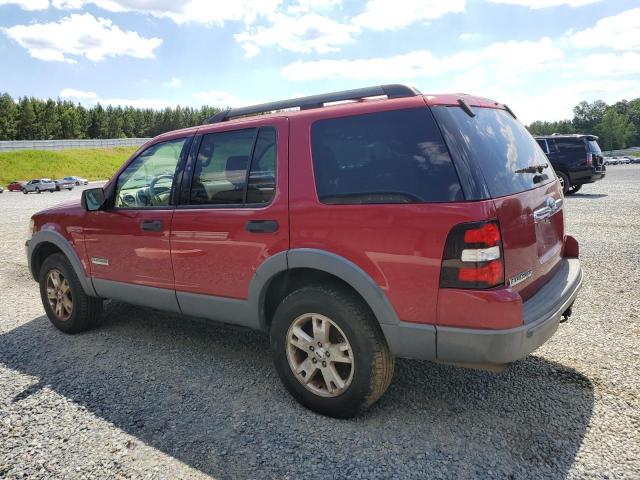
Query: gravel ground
[[151, 395]]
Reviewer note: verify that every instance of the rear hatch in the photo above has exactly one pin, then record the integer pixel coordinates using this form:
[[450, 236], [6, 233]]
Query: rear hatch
[[520, 180]]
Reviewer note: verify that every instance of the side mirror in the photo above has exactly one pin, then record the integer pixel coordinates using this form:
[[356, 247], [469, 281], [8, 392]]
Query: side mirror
[[93, 199]]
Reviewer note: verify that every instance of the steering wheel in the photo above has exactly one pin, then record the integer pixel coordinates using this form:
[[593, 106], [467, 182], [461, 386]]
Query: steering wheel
[[155, 192]]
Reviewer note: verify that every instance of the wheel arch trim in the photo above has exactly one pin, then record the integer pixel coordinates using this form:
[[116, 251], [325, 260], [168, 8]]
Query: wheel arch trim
[[55, 238], [327, 262]]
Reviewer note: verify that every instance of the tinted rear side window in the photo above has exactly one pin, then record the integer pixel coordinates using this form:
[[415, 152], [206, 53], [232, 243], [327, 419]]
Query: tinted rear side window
[[501, 148], [570, 145], [386, 157]]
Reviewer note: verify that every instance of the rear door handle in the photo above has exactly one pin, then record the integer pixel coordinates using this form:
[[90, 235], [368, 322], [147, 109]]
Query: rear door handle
[[151, 225], [262, 226]]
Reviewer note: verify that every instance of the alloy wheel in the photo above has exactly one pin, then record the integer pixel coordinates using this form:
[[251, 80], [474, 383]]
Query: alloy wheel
[[59, 295], [320, 355]]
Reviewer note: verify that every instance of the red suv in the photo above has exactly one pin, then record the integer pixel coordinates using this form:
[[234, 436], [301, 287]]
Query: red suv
[[368, 224]]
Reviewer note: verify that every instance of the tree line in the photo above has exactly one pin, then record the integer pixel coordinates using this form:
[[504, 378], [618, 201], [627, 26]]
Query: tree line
[[617, 125], [31, 118], [28, 118]]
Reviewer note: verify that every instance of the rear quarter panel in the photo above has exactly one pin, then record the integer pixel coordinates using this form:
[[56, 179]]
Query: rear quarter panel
[[399, 246]]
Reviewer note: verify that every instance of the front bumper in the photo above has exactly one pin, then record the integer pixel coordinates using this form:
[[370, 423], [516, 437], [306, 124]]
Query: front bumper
[[542, 314]]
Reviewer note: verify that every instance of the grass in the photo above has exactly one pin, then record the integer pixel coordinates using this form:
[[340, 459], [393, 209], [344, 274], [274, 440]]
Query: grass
[[93, 164]]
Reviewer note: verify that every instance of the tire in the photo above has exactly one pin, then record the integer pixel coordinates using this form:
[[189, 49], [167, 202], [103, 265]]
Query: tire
[[85, 310], [565, 183], [38, 191], [24, 190], [574, 189], [365, 379]]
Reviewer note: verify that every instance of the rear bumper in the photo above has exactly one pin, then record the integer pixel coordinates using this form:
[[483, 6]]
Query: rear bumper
[[542, 314], [591, 175]]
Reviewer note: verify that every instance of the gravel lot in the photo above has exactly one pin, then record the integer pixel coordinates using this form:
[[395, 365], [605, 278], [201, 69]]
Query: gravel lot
[[159, 396]]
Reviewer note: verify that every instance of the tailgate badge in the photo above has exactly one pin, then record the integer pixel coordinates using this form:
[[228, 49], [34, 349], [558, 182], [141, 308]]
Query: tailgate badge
[[519, 278]]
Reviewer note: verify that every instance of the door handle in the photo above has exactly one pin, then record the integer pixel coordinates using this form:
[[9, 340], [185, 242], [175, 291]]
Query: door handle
[[151, 225], [262, 226]]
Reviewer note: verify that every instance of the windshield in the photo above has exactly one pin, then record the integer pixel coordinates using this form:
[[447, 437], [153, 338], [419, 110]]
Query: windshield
[[502, 149]]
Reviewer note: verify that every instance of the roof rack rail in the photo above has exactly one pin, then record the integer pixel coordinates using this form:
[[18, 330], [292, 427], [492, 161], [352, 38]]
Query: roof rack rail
[[317, 101]]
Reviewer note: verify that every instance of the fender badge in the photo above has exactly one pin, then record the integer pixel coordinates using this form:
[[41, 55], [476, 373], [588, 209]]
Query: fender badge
[[519, 278], [100, 261]]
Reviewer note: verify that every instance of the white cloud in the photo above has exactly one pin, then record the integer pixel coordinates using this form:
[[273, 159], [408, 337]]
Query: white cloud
[[218, 98], [391, 14], [81, 36], [214, 12], [304, 6], [505, 60], [466, 36], [557, 103], [27, 4], [175, 82], [619, 32], [308, 33], [78, 94], [535, 4]]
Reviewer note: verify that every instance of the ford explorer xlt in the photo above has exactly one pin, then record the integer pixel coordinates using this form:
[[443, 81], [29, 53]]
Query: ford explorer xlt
[[365, 225]]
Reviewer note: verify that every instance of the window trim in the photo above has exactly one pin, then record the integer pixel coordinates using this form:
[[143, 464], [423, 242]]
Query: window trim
[[184, 197], [176, 177]]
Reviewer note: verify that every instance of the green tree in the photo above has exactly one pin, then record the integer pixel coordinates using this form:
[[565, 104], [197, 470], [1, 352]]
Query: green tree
[[615, 130], [586, 116], [26, 120], [8, 117]]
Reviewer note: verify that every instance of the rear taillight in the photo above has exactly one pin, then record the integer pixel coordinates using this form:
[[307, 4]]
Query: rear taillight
[[589, 159], [473, 256]]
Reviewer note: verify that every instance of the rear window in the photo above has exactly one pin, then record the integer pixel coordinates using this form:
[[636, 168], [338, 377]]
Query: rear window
[[593, 146], [385, 157], [500, 147]]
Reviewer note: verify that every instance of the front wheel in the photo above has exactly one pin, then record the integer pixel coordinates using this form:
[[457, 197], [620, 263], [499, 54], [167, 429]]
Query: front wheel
[[24, 190], [329, 351], [68, 307], [38, 190]]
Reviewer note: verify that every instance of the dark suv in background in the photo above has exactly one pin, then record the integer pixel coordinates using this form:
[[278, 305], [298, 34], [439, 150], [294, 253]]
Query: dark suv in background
[[577, 159]]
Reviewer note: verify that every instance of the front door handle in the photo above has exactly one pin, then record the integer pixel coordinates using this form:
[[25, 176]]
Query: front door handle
[[151, 225], [262, 226]]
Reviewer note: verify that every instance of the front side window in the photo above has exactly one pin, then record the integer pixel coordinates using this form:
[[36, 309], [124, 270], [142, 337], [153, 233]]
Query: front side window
[[224, 158], [148, 180], [397, 156]]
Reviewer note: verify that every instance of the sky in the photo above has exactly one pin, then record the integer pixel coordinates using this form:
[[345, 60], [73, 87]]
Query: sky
[[541, 57]]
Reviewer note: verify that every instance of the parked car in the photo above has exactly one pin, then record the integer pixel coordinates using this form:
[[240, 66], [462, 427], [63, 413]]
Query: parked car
[[76, 180], [428, 227], [577, 159], [64, 184], [39, 185], [15, 186]]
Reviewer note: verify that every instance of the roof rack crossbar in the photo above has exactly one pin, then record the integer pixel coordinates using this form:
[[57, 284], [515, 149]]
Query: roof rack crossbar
[[317, 101]]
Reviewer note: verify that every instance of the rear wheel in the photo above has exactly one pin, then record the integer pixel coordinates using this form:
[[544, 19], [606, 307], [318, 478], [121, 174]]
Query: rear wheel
[[67, 306], [564, 182], [329, 351], [574, 189], [38, 190]]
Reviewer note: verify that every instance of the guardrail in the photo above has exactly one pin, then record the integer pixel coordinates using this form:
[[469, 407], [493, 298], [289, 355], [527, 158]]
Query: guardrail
[[626, 151], [11, 145]]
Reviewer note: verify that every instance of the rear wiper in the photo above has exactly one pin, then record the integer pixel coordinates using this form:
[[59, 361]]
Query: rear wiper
[[533, 169]]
